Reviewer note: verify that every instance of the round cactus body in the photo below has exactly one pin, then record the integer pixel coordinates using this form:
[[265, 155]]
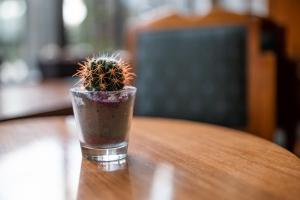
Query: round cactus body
[[104, 74]]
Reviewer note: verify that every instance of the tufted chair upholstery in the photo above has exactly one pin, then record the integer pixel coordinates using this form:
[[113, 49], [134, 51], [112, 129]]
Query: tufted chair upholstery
[[193, 73], [212, 69]]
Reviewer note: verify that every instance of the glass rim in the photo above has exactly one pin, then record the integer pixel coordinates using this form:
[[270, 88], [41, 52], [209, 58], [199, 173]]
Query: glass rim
[[127, 88]]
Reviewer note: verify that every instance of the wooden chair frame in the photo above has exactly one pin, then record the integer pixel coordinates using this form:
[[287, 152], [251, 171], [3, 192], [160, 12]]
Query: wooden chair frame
[[260, 69]]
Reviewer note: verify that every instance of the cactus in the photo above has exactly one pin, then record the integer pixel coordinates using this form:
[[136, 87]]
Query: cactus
[[104, 73]]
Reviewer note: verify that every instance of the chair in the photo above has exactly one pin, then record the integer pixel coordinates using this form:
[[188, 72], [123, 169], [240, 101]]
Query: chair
[[274, 39], [208, 69]]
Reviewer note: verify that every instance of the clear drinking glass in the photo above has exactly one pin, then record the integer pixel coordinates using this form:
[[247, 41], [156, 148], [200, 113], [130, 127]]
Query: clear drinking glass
[[104, 119]]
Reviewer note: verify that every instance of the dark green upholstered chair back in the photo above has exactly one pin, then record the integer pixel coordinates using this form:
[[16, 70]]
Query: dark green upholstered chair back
[[193, 73]]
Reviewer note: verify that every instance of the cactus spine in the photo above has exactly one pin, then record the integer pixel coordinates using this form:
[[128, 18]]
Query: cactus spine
[[104, 73]]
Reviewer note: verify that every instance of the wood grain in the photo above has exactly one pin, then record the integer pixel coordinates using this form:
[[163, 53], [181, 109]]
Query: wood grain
[[168, 159], [42, 99], [262, 108]]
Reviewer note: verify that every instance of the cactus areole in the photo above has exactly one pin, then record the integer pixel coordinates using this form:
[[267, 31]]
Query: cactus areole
[[104, 73]]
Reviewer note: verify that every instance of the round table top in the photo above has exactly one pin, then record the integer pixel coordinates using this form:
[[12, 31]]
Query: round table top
[[168, 159]]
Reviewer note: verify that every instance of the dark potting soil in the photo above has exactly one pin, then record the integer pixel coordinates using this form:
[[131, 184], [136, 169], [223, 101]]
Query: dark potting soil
[[104, 120]]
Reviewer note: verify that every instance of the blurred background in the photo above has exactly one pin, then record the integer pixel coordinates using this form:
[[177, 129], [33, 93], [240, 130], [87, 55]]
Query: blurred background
[[32, 31], [42, 40]]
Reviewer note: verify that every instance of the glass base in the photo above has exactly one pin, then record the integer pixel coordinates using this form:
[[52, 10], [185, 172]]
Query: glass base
[[112, 166], [104, 154]]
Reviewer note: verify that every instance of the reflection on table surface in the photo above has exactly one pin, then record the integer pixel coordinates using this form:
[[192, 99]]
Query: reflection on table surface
[[40, 170], [168, 159], [52, 168], [61, 174]]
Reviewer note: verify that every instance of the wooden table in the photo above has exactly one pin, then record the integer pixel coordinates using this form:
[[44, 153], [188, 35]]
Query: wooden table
[[168, 159], [40, 99]]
